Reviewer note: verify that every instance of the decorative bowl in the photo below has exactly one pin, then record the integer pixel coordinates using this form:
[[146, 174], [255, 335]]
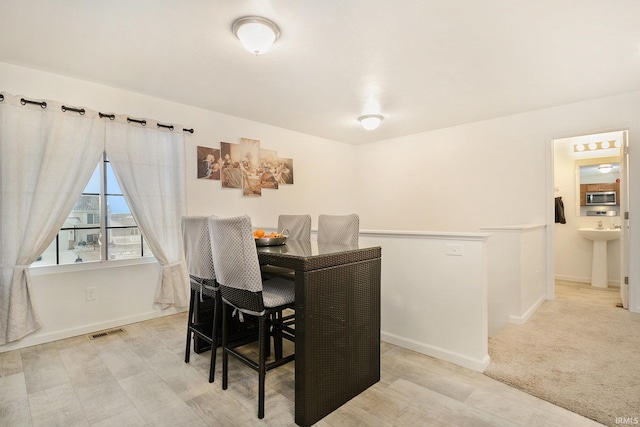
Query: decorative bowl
[[273, 241], [270, 241], [274, 249]]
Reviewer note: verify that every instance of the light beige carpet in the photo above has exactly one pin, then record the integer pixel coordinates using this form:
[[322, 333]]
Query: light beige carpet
[[577, 355]]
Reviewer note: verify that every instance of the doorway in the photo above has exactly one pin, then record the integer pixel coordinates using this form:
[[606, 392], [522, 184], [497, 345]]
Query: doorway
[[585, 168]]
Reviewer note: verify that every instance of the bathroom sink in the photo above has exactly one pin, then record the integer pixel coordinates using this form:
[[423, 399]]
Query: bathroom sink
[[600, 234]]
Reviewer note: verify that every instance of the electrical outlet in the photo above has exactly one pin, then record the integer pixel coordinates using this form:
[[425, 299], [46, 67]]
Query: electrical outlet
[[455, 250], [91, 293]]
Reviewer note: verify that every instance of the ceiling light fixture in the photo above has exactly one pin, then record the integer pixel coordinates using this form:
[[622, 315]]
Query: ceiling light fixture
[[255, 33], [370, 121], [605, 168]]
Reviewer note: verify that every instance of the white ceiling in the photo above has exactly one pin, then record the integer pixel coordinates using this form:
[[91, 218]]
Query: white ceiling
[[429, 64]]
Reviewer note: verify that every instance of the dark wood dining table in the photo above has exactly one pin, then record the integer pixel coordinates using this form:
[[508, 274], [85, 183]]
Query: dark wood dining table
[[337, 322]]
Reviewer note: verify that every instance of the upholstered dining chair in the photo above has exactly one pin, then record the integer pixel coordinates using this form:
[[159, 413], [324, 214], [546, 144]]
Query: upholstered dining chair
[[202, 278], [299, 226], [339, 229], [235, 259]]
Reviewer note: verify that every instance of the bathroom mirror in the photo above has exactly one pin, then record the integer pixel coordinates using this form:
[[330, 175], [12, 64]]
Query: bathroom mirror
[[597, 175]]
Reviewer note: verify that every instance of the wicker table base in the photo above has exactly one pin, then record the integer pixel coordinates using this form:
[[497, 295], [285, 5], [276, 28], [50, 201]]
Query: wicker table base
[[337, 324]]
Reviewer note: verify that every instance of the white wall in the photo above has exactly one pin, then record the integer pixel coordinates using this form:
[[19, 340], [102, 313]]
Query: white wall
[[124, 295], [434, 293], [495, 172], [324, 169], [457, 178], [517, 267]]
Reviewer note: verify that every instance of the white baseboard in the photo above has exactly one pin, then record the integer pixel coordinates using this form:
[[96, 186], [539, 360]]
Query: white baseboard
[[478, 365], [37, 338], [615, 283], [572, 278], [523, 318]]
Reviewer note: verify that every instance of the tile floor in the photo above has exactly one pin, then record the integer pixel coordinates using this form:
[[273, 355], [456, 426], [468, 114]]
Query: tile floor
[[139, 378]]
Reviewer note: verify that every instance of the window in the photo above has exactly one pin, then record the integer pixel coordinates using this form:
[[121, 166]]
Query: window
[[93, 218], [80, 238]]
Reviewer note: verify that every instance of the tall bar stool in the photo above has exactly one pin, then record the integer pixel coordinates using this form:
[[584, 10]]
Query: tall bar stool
[[339, 229], [299, 227], [238, 272], [202, 278]]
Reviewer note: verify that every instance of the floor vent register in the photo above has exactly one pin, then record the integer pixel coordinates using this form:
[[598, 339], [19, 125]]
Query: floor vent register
[[105, 333]]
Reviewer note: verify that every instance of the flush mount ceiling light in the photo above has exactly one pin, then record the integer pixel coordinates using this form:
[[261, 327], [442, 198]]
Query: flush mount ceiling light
[[605, 168], [255, 33], [370, 121]]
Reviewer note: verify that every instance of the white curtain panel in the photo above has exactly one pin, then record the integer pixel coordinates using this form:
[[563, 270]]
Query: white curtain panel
[[47, 157], [150, 168]]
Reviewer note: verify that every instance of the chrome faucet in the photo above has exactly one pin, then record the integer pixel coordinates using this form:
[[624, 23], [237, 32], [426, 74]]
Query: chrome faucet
[[599, 225]]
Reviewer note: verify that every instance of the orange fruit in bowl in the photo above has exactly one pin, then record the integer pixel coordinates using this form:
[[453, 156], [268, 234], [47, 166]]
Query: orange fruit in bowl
[[259, 233]]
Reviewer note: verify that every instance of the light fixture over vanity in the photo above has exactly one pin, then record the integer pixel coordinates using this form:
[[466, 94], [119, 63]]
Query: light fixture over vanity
[[595, 146]]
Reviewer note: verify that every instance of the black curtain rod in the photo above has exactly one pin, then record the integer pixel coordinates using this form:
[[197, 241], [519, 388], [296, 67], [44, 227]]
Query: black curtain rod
[[42, 104], [170, 127], [142, 122], [81, 111], [160, 125]]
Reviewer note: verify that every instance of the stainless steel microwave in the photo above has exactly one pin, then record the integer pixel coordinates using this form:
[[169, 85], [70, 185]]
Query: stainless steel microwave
[[601, 198]]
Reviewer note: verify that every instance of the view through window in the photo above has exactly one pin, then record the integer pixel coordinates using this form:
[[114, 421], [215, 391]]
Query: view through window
[[100, 226]]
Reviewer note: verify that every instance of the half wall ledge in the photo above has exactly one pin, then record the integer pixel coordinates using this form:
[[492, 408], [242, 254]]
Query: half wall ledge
[[434, 293]]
